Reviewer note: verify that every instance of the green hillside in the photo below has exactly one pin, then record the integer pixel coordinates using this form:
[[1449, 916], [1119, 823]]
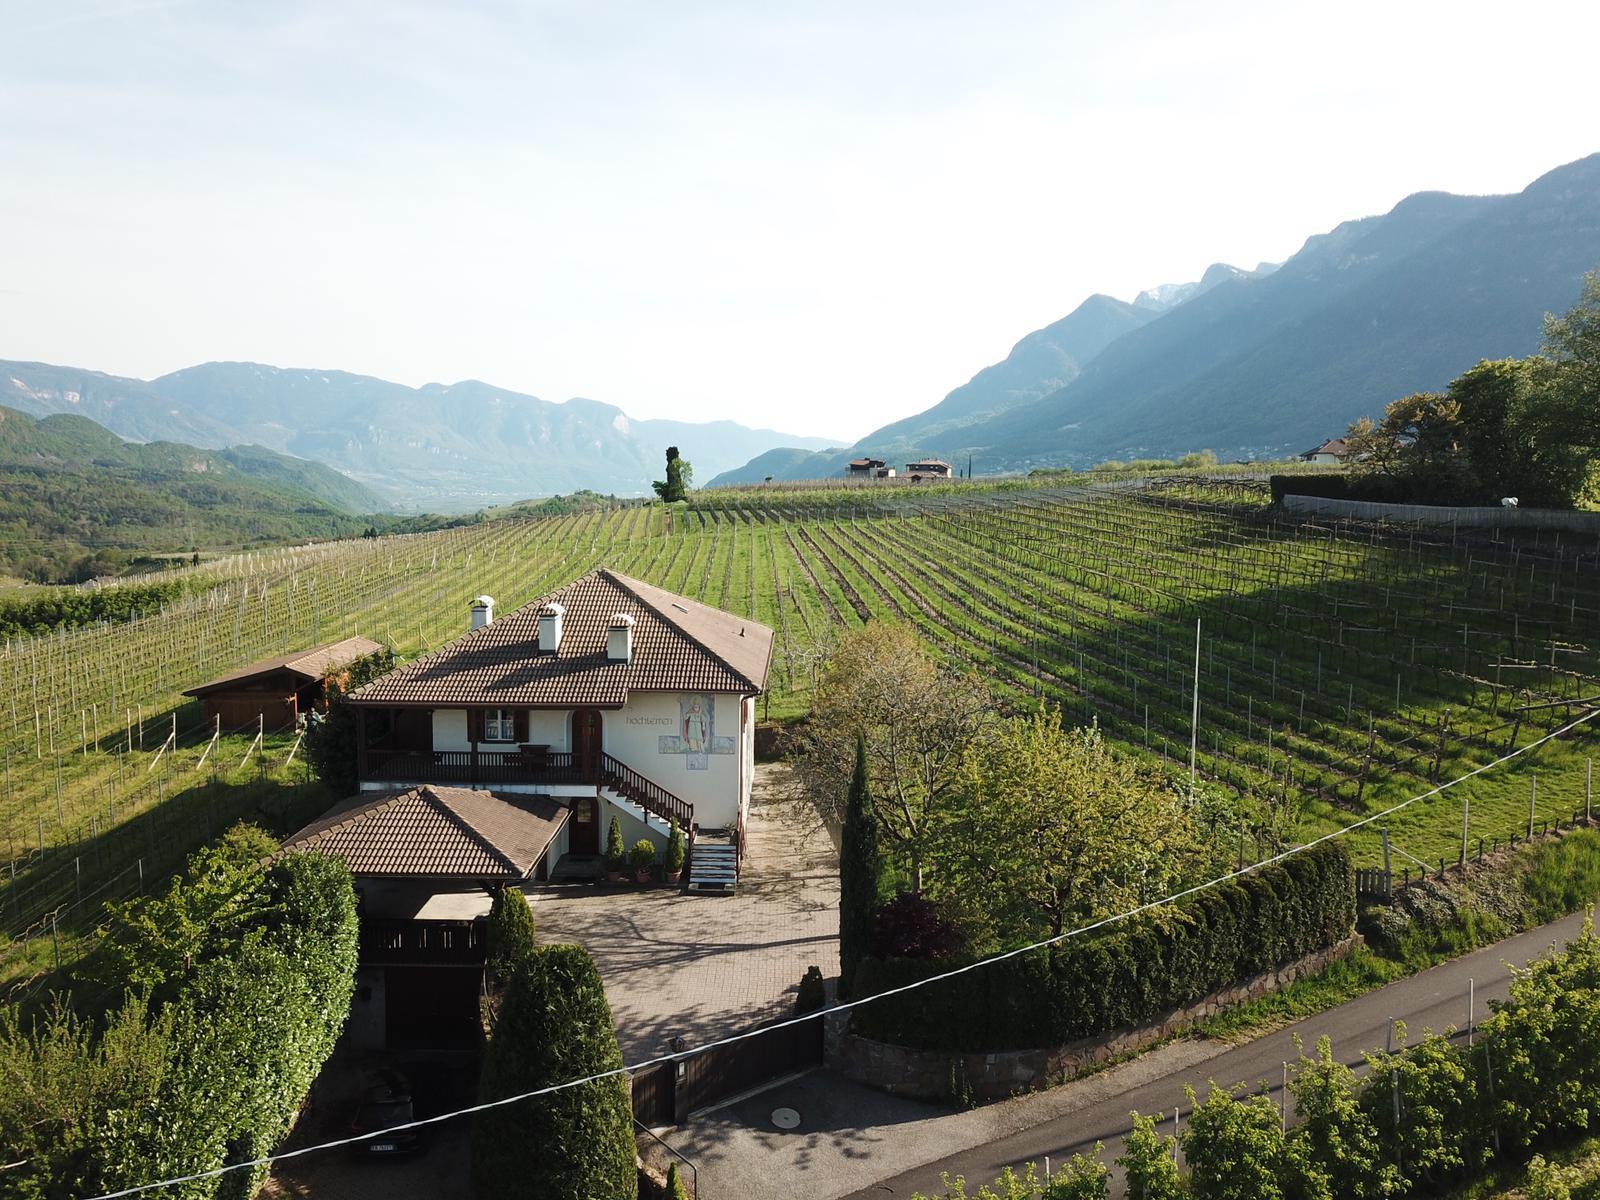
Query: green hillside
[[77, 501]]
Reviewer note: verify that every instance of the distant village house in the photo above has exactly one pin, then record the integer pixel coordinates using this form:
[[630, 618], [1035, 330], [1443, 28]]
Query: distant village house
[[1331, 452], [929, 468]]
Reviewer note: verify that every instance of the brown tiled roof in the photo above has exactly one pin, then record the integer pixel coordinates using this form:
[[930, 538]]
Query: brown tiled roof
[[317, 663], [437, 832], [1331, 446], [679, 645]]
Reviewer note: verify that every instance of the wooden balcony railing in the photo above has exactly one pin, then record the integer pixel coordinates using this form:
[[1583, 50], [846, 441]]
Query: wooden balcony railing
[[531, 764], [473, 767]]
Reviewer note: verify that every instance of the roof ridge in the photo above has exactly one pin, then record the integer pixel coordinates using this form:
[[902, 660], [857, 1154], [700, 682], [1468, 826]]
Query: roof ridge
[[626, 582], [467, 827]]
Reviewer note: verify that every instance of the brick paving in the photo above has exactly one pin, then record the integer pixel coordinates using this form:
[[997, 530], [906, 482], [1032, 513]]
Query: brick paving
[[703, 967]]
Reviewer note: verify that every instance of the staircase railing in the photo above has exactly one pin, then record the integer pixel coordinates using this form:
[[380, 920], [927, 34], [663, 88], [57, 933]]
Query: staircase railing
[[646, 793]]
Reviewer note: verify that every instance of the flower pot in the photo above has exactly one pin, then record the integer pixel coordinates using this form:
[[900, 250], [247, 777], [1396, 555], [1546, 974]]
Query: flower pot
[[642, 876], [674, 876], [613, 876]]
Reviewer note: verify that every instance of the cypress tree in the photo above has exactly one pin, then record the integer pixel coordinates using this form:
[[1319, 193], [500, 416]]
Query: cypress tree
[[510, 931], [575, 1144], [859, 868]]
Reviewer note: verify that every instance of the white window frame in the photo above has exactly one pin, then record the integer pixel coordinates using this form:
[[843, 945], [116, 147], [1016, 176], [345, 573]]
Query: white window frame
[[499, 725]]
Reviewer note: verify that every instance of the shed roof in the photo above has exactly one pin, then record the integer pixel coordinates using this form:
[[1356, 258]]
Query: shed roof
[[679, 645], [317, 663], [437, 833]]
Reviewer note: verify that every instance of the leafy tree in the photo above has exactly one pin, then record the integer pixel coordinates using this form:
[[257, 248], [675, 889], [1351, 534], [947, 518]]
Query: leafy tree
[[573, 1144], [1438, 1135], [510, 931], [1053, 827], [680, 478], [1081, 1177], [331, 735], [1336, 1133], [152, 944], [1149, 1163], [859, 871], [1236, 1150], [912, 926], [918, 717], [1565, 377]]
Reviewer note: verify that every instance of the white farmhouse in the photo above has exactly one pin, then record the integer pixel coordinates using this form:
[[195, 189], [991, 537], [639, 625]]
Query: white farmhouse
[[610, 697]]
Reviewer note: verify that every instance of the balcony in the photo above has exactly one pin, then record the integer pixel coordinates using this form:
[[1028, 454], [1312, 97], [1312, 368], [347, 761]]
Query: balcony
[[476, 768]]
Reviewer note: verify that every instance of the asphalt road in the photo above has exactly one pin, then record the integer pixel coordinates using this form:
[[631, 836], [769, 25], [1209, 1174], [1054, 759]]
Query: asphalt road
[[1436, 999]]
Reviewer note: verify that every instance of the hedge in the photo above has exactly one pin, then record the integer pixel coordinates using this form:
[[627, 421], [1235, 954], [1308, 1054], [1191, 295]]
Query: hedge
[[576, 1144], [215, 1076], [1092, 986]]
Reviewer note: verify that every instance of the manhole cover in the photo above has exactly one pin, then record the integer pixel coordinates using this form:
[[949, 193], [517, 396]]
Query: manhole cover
[[785, 1118]]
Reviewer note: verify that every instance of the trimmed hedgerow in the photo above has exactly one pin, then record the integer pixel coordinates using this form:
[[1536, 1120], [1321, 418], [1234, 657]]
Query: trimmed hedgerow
[[213, 1076], [1089, 987], [554, 1025]]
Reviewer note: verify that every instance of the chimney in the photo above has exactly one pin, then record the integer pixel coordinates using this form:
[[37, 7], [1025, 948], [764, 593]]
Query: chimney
[[482, 611], [550, 627], [619, 639]]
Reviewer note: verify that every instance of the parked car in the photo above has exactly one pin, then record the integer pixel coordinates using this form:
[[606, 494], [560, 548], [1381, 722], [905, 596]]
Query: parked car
[[385, 1105]]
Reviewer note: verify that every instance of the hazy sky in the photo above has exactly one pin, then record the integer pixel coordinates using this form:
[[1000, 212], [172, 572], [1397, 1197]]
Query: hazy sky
[[818, 217]]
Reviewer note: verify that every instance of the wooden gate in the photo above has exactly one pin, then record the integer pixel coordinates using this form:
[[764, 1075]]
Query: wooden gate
[[667, 1093], [653, 1095]]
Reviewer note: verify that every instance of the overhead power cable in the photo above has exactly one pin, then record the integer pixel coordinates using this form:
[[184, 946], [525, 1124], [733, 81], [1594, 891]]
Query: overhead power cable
[[847, 1005]]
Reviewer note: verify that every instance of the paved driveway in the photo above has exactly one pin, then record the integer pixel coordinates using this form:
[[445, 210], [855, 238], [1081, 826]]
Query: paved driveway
[[706, 966]]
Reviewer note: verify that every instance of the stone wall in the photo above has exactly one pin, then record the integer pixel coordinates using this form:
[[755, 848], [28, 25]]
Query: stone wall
[[946, 1075]]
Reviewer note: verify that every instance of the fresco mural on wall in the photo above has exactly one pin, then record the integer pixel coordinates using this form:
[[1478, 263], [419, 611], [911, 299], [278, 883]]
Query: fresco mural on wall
[[696, 738]]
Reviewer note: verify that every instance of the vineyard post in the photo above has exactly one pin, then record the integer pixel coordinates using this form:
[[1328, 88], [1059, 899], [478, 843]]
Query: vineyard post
[[1588, 788], [1388, 869], [1194, 716], [1466, 816], [1533, 800]]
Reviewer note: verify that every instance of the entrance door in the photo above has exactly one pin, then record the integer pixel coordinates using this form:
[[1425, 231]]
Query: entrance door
[[583, 831], [586, 742]]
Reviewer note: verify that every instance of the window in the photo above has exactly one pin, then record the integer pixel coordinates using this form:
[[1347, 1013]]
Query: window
[[499, 725]]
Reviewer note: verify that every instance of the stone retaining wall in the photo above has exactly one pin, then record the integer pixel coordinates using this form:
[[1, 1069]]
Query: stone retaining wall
[[946, 1075], [1497, 517]]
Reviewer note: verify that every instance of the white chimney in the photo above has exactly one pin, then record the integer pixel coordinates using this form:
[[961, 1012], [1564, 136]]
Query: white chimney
[[482, 611], [619, 639], [550, 627]]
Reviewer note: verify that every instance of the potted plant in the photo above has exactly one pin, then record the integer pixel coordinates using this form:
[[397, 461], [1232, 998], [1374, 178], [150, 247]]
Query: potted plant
[[643, 859], [616, 852], [676, 853]]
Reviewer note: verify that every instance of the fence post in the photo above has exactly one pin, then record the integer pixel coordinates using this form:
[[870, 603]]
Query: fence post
[[1588, 787], [1533, 799], [1388, 870], [1466, 816]]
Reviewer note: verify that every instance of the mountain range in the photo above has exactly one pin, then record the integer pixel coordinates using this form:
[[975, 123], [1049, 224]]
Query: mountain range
[[447, 447], [1263, 363], [77, 500]]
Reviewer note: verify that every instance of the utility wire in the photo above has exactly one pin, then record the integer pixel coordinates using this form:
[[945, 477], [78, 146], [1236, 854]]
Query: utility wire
[[847, 1005]]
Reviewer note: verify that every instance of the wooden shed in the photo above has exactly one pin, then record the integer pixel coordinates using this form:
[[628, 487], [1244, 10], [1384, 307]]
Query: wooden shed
[[277, 691]]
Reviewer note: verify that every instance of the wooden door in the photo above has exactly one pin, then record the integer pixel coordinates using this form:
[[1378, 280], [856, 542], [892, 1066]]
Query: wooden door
[[583, 836], [586, 741]]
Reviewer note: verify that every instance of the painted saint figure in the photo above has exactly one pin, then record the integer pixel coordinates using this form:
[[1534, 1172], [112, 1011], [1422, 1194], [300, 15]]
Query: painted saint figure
[[694, 729]]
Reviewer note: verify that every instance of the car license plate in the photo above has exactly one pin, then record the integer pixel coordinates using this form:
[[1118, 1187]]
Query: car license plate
[[381, 1146]]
